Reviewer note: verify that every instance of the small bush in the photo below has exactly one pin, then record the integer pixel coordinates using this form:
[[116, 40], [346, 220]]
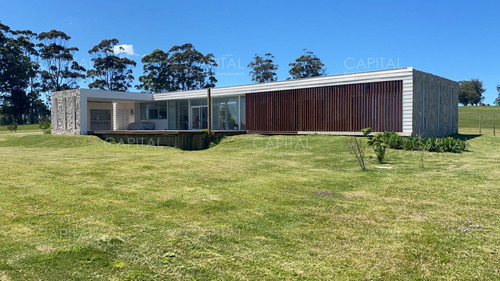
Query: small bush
[[411, 143], [393, 140], [45, 127], [12, 127], [216, 139], [432, 144], [378, 143], [366, 131]]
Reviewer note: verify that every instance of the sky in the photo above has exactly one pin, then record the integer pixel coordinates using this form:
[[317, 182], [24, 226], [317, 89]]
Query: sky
[[457, 40]]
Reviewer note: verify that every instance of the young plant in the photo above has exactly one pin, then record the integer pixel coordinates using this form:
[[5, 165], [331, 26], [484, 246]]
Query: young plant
[[379, 146], [357, 149]]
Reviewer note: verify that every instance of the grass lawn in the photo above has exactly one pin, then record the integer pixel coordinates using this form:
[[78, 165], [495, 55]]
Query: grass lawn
[[469, 116], [252, 208], [21, 128]]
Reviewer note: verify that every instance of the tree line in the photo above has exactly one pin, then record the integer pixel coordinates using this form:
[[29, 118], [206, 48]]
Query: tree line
[[32, 64]]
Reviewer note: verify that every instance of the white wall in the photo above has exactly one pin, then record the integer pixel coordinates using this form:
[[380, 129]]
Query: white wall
[[125, 114]]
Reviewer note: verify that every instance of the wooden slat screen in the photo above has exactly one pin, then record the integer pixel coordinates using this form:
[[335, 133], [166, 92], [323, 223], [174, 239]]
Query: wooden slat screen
[[342, 108]]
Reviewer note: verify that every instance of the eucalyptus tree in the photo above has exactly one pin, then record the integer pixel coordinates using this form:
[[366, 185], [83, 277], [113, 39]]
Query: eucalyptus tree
[[263, 69], [191, 69], [307, 65], [18, 70], [158, 75], [110, 72], [59, 70], [181, 68]]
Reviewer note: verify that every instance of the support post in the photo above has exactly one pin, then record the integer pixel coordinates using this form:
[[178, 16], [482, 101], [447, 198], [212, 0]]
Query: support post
[[209, 114]]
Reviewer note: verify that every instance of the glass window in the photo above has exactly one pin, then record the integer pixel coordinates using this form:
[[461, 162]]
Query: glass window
[[183, 115], [178, 114], [162, 110], [172, 115], [225, 113], [153, 110], [196, 102], [242, 113]]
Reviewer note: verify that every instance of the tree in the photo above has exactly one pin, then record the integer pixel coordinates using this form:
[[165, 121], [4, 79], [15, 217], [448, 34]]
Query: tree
[[497, 100], [191, 69], [182, 68], [263, 69], [61, 71], [307, 65], [17, 71], [158, 75], [110, 72], [471, 92]]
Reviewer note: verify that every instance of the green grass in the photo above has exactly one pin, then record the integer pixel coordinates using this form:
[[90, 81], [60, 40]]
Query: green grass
[[251, 208], [469, 116], [29, 127]]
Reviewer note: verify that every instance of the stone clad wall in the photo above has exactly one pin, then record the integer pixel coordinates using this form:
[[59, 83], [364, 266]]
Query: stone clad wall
[[65, 113], [435, 105]]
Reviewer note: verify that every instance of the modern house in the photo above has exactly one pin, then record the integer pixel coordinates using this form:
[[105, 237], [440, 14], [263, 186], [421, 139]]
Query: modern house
[[403, 100]]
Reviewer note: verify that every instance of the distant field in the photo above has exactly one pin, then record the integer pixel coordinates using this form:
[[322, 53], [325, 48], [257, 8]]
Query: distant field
[[468, 119], [30, 127]]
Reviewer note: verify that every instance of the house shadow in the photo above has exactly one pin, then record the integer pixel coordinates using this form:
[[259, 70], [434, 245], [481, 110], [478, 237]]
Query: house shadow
[[465, 136]]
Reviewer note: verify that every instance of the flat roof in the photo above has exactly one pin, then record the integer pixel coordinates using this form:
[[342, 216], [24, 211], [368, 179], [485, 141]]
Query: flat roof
[[312, 82]]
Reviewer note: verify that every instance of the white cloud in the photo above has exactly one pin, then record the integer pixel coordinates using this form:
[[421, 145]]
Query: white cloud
[[124, 48]]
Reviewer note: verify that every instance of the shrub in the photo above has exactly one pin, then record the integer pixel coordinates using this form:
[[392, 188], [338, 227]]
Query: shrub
[[412, 143], [395, 141], [432, 144], [366, 131], [44, 126], [450, 144], [12, 127], [378, 143]]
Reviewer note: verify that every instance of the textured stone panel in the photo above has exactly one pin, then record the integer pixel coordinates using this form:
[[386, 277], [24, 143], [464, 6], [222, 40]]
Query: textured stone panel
[[65, 113]]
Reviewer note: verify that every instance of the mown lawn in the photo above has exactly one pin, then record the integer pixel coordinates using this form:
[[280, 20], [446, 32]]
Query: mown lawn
[[20, 128], [252, 208], [470, 117]]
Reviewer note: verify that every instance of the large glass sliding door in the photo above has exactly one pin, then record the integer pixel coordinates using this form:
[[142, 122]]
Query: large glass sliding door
[[225, 113], [199, 117], [228, 113], [178, 115]]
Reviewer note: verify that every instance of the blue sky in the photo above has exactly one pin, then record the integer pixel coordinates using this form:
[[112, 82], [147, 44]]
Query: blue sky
[[453, 39]]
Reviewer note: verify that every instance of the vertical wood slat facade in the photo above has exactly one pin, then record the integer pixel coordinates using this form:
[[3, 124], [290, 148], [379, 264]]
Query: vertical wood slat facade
[[341, 108]]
